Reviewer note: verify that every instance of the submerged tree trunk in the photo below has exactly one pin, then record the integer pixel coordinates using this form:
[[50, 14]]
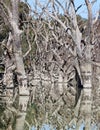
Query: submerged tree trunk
[[20, 70], [23, 101], [87, 72], [86, 103]]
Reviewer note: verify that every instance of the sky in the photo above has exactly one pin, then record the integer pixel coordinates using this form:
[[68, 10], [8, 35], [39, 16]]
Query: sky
[[82, 11]]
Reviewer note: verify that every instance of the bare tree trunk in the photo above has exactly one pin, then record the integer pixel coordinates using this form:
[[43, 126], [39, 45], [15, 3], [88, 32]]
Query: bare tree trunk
[[96, 94], [87, 71], [23, 100], [86, 104], [21, 75]]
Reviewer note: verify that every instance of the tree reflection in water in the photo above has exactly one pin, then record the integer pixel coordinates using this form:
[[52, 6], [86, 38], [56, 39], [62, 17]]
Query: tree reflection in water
[[49, 127], [45, 127]]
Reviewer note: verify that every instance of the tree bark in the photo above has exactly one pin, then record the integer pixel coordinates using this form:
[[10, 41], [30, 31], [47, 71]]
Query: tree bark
[[20, 70], [86, 103]]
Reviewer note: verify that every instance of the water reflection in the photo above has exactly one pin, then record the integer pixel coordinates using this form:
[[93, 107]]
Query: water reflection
[[49, 127], [47, 110], [35, 120], [45, 127]]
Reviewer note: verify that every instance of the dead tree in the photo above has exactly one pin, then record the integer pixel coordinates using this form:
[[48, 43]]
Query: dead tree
[[65, 37], [14, 60]]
